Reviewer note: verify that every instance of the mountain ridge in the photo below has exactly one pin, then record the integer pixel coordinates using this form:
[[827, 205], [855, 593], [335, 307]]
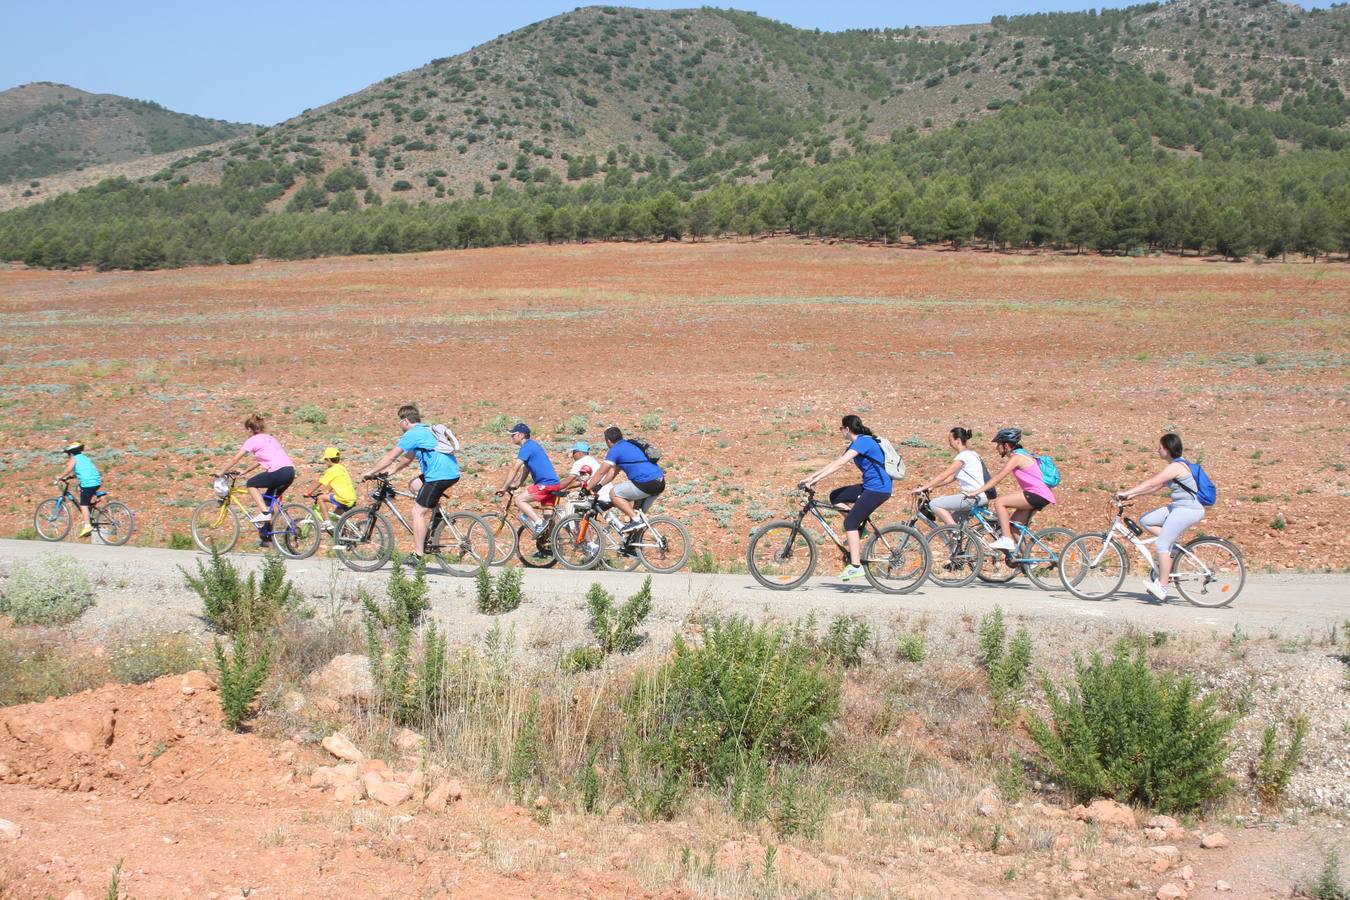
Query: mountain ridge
[[48, 128]]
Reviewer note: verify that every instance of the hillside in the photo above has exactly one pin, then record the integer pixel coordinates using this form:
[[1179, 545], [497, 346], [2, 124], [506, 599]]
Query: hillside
[[707, 92], [49, 128], [1198, 125]]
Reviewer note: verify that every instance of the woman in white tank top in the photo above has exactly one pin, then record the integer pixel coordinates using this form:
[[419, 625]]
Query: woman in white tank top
[[967, 470]]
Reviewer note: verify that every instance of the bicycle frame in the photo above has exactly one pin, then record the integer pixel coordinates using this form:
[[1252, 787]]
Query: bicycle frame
[[1120, 528], [274, 507], [814, 507], [991, 527]]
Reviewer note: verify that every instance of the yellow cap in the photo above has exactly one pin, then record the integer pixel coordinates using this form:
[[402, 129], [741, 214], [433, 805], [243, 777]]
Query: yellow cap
[[331, 453]]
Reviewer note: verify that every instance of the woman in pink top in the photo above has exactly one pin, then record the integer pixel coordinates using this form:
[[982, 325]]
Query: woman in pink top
[[278, 471], [1015, 505]]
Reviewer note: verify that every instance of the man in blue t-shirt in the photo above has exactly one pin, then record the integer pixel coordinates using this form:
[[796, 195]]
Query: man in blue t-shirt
[[646, 480], [531, 458], [439, 470]]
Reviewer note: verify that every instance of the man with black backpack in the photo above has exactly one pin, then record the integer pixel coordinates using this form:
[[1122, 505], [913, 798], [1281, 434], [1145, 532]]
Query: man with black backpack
[[646, 480]]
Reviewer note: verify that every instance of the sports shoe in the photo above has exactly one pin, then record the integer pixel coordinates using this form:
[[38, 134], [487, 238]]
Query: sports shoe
[[328, 527], [633, 526], [538, 528], [1003, 544], [86, 531], [1154, 587], [851, 572], [260, 518]]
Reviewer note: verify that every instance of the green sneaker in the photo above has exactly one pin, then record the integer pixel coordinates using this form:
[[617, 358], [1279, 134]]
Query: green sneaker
[[851, 572]]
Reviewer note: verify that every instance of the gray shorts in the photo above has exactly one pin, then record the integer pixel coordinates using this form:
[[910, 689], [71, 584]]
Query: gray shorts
[[1173, 520], [959, 505], [630, 492]]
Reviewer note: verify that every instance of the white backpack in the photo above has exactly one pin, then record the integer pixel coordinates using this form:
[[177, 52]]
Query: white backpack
[[893, 463], [446, 442]]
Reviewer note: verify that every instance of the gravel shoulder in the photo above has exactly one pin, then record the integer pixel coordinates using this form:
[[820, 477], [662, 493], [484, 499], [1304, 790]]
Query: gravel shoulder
[[143, 588]]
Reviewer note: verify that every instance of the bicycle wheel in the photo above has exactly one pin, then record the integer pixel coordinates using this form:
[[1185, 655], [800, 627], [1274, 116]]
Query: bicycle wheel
[[576, 542], [664, 545], [215, 526], [300, 534], [1042, 556], [1208, 572], [363, 540], [504, 542], [461, 542], [956, 556], [52, 520], [535, 552], [781, 555], [1093, 566], [896, 559], [618, 551], [113, 523]]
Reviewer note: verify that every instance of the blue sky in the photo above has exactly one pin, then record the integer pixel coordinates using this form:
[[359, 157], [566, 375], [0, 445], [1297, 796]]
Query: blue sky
[[262, 62]]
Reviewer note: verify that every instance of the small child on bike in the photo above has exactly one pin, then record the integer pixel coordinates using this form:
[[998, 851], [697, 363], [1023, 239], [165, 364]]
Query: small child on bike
[[83, 468], [340, 495]]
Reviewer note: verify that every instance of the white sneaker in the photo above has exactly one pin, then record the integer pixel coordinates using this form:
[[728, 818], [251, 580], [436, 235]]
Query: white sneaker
[[260, 518], [538, 527], [1003, 544], [1154, 587]]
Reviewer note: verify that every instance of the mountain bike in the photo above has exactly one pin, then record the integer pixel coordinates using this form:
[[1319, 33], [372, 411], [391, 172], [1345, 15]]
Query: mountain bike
[[782, 554], [363, 539], [216, 522], [961, 552], [112, 521], [594, 535], [515, 538], [1036, 554], [1207, 571]]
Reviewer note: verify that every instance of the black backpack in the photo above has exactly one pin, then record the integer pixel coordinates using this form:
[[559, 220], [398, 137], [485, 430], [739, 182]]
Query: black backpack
[[652, 453]]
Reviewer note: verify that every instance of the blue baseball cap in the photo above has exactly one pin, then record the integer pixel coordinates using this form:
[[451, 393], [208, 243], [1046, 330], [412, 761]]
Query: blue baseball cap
[[520, 428], [581, 447]]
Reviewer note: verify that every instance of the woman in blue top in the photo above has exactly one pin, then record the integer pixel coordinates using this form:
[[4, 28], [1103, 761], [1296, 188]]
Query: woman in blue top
[[82, 467], [865, 453]]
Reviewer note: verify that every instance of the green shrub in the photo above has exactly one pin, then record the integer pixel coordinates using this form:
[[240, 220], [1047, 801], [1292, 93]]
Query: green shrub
[[703, 563], [577, 424], [179, 541], [408, 597], [1329, 885], [237, 605], [913, 648], [615, 629], [1006, 663], [1274, 767], [524, 753], [500, 593], [1132, 734], [26, 533], [50, 590], [745, 689], [311, 414], [582, 659], [240, 678], [844, 641]]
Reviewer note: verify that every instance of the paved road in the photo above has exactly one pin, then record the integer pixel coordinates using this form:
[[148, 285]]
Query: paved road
[[140, 587]]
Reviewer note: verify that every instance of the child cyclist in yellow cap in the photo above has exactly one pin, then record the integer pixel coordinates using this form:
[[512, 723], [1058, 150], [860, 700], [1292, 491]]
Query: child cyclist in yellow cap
[[340, 495]]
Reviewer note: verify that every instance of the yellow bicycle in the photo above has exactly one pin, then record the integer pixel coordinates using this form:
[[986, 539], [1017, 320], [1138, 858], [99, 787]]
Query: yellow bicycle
[[216, 523]]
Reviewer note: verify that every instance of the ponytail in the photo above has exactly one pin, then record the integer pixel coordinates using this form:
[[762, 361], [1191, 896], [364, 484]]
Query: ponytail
[[855, 425], [961, 434]]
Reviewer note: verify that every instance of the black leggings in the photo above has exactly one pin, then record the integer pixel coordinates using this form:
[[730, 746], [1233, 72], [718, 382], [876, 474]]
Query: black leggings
[[864, 504], [274, 482]]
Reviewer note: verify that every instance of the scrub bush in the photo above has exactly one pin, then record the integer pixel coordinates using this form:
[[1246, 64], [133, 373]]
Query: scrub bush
[[51, 590]]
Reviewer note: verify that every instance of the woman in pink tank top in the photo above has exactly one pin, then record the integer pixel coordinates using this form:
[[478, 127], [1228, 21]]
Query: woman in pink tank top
[[277, 469], [1016, 505]]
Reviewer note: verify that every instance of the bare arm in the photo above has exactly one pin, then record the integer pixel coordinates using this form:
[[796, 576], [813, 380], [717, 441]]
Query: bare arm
[[1170, 471], [512, 474], [1003, 473], [828, 470], [948, 475], [603, 476], [234, 461], [384, 462]]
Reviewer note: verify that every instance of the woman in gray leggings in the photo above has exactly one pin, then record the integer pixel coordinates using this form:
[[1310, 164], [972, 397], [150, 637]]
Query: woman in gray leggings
[[1168, 522], [969, 473]]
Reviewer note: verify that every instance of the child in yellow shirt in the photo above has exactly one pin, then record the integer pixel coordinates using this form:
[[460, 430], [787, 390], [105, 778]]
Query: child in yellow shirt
[[341, 492]]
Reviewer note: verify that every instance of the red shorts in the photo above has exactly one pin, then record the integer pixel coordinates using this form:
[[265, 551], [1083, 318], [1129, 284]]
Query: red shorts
[[543, 494]]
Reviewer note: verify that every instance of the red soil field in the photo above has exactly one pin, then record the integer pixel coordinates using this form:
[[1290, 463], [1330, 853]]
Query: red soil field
[[736, 358]]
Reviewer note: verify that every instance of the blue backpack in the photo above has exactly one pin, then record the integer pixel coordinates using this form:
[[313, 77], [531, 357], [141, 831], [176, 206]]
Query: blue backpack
[[1205, 490], [1049, 471]]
